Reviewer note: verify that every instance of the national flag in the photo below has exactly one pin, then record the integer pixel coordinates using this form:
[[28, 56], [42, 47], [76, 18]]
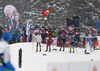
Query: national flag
[[28, 31], [71, 29], [45, 12]]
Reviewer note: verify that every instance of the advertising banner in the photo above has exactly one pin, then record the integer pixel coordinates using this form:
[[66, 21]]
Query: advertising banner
[[58, 67]]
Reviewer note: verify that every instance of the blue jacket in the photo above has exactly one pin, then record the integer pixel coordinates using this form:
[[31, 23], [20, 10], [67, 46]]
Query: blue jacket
[[6, 36], [72, 40], [7, 66], [16, 34], [10, 33], [97, 22], [13, 38]]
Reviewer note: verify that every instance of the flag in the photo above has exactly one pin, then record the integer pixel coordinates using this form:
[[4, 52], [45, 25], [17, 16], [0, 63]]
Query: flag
[[45, 12], [28, 31], [71, 29]]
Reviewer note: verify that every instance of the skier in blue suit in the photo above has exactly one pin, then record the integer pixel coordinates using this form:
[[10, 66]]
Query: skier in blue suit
[[5, 64], [72, 43], [88, 39]]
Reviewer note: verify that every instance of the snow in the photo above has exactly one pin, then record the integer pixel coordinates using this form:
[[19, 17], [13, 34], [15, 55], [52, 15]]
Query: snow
[[91, 4], [35, 61]]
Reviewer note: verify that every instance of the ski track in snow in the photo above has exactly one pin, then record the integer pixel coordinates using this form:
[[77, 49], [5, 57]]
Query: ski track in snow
[[35, 61]]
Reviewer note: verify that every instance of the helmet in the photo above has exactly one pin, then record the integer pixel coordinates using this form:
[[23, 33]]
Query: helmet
[[6, 36]]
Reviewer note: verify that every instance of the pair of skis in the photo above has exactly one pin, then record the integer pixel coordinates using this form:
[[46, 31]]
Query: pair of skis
[[90, 51]]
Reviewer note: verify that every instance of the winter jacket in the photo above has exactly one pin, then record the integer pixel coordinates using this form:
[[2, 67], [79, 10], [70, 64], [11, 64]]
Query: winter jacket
[[97, 22], [72, 40], [13, 37], [16, 34], [5, 64], [24, 29], [49, 41], [55, 33], [69, 22], [10, 32], [77, 37]]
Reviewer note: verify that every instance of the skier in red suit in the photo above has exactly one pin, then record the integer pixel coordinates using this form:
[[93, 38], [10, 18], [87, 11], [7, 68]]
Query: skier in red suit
[[49, 42]]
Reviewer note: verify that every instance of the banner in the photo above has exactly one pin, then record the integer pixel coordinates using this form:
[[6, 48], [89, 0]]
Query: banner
[[75, 66], [28, 31], [58, 67], [79, 66], [12, 17], [95, 66]]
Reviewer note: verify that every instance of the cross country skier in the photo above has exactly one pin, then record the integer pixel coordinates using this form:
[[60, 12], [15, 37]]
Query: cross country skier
[[63, 40], [49, 42], [88, 39], [5, 64], [72, 43], [38, 39]]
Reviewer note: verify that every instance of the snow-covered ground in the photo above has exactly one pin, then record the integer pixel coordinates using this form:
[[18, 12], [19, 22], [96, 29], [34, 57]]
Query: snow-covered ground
[[35, 61]]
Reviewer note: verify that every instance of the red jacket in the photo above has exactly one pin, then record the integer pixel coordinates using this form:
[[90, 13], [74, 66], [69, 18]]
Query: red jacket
[[50, 34], [49, 41]]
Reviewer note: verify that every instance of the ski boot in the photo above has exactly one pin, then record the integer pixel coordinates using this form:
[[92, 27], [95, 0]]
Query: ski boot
[[60, 49], [40, 50], [70, 51], [73, 51], [94, 47], [49, 50], [85, 51], [37, 50], [63, 50], [46, 50]]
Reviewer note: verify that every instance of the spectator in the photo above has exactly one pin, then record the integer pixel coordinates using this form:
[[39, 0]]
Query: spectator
[[4, 35], [75, 21], [50, 32], [37, 26], [98, 23], [58, 37], [17, 32], [77, 37], [68, 21], [0, 30], [24, 36], [55, 33], [44, 34], [24, 29], [10, 32], [13, 37], [30, 39], [20, 37]]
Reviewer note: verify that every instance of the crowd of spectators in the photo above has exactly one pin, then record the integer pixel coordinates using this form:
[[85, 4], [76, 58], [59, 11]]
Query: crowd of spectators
[[19, 35]]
